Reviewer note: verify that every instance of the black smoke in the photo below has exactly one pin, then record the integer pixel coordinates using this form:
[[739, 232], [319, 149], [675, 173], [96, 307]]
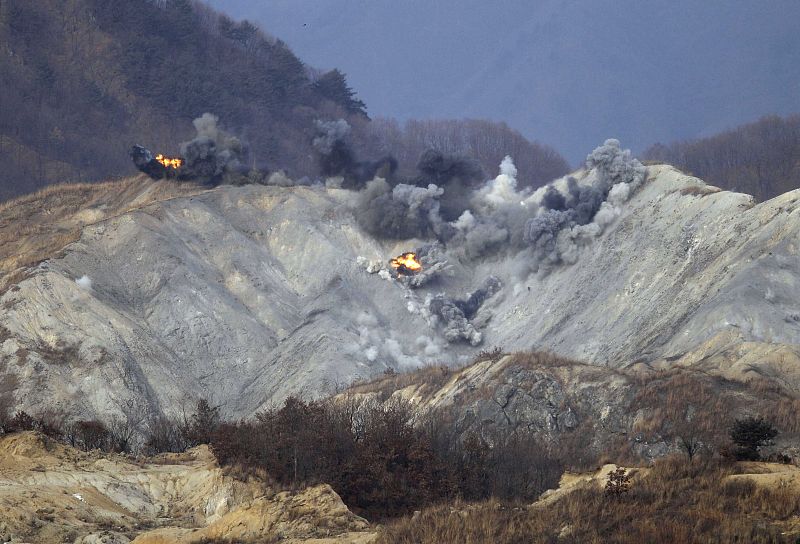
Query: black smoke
[[400, 212], [553, 199], [457, 175], [336, 158], [146, 162], [417, 206], [475, 299], [425, 205]]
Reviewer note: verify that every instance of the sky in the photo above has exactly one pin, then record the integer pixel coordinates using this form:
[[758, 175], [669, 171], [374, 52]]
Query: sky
[[567, 73]]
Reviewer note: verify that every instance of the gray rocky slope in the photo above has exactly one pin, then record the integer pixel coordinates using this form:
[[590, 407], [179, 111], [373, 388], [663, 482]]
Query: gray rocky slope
[[245, 295]]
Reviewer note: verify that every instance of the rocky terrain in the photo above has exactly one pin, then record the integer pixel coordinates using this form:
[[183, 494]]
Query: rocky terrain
[[53, 493], [245, 295], [589, 410]]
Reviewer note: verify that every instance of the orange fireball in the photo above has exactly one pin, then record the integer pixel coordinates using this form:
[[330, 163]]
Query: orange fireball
[[406, 263], [169, 162]]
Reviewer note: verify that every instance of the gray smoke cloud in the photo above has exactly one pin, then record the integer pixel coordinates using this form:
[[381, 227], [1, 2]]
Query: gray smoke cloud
[[538, 229], [615, 165], [400, 212], [476, 220], [475, 299], [454, 315], [435, 265], [563, 226], [213, 154], [421, 207], [455, 326], [376, 344], [330, 134], [458, 176], [337, 159]]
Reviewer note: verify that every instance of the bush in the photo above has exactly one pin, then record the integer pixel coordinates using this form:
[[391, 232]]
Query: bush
[[749, 435], [92, 435], [618, 483]]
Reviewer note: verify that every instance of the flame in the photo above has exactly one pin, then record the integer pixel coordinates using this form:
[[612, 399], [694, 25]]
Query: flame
[[169, 162], [406, 263]]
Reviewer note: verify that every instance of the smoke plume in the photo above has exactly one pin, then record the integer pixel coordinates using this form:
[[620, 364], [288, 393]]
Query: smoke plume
[[84, 282], [402, 212], [456, 175], [337, 159], [212, 155], [454, 315], [374, 344], [569, 220]]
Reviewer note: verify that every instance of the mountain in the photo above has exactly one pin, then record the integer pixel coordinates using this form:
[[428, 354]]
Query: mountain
[[566, 73], [245, 295]]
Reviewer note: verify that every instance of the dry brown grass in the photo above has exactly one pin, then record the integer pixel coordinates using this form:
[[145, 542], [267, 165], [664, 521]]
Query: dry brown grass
[[36, 227], [676, 501], [436, 376], [699, 190], [431, 376]]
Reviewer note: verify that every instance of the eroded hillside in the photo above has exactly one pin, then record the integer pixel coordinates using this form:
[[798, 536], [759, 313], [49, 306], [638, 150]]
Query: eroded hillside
[[53, 493], [245, 295]]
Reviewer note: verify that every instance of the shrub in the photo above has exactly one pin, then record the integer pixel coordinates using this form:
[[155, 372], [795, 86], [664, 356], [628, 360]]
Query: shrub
[[749, 435], [618, 483], [92, 435]]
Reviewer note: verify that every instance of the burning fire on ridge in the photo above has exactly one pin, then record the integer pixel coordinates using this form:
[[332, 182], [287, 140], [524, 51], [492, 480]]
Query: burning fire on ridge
[[169, 162], [406, 264], [156, 166]]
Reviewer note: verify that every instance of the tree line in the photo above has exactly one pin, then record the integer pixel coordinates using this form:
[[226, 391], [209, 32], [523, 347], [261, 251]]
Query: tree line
[[761, 158]]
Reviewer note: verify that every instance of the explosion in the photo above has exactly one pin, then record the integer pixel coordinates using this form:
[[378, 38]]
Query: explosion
[[211, 157], [406, 264], [169, 162]]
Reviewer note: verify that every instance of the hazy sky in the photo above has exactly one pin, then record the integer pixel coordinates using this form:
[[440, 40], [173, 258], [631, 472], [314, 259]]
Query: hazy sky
[[569, 73]]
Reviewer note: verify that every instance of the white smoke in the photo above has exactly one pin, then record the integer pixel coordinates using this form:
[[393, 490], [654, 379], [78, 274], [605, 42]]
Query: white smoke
[[501, 190], [84, 282], [374, 345]]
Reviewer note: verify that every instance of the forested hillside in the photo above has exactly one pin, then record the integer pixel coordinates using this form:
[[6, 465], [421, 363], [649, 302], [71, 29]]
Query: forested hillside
[[761, 158], [84, 79], [486, 141]]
